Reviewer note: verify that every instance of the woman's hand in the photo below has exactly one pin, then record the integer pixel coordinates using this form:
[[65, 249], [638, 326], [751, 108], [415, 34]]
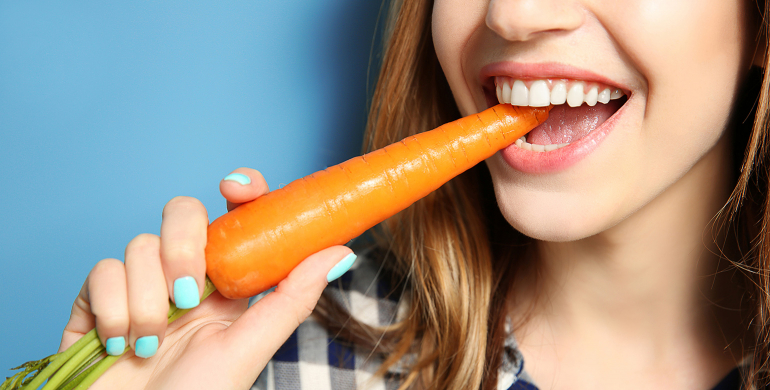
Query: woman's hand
[[221, 343]]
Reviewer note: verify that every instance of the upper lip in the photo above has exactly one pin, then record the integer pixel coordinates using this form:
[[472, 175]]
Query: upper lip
[[543, 70]]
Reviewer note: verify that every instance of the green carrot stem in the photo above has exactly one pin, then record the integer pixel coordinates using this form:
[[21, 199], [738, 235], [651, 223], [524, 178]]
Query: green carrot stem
[[95, 356], [74, 362], [17, 380], [59, 360], [98, 370], [79, 378], [79, 366]]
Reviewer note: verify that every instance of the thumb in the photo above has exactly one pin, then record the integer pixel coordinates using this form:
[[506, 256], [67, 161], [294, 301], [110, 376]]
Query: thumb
[[265, 326]]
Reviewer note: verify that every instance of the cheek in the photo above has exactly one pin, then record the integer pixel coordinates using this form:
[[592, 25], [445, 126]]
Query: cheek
[[691, 53], [453, 24]]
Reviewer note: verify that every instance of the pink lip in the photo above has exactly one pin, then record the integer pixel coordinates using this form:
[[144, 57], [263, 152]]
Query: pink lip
[[527, 161]]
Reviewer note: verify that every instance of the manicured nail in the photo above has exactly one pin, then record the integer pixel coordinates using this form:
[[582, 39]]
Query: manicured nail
[[186, 293], [238, 178], [341, 267], [115, 345], [146, 346]]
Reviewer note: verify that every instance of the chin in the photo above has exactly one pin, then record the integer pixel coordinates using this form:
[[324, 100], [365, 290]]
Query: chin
[[554, 217]]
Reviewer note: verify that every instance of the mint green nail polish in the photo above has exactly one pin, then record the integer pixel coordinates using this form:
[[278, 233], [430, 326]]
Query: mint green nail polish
[[146, 346], [238, 178], [115, 345], [186, 293], [340, 268]]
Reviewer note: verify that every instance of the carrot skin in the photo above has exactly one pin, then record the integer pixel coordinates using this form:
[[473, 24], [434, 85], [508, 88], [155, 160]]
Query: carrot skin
[[255, 246]]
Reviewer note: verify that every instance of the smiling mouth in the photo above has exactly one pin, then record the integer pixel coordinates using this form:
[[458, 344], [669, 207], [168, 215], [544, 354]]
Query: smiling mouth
[[579, 107]]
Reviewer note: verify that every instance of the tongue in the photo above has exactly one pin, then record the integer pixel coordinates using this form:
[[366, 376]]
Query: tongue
[[568, 124]]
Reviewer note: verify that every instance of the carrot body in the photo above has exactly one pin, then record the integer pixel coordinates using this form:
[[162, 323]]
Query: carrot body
[[255, 246]]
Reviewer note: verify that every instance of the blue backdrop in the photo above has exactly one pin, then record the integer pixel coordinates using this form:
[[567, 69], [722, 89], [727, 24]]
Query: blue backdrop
[[107, 111]]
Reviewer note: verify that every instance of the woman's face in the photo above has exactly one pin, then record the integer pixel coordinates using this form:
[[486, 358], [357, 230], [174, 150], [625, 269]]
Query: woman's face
[[658, 80]]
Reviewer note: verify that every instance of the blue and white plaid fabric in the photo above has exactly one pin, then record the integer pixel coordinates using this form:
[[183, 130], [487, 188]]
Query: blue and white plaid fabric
[[314, 359]]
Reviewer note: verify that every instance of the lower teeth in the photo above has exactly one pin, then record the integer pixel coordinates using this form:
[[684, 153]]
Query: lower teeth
[[523, 144]]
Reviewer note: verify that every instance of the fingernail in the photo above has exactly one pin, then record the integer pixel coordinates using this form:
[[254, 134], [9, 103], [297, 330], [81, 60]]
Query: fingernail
[[115, 346], [146, 346], [238, 178], [341, 267], [186, 293]]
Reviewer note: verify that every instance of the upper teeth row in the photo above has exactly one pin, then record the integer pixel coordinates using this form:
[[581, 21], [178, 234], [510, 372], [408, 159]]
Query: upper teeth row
[[538, 94]]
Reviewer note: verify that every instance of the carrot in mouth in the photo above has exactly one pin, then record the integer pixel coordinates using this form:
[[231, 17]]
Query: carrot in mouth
[[255, 246]]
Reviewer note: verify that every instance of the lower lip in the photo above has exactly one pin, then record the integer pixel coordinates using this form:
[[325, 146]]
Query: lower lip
[[528, 161]]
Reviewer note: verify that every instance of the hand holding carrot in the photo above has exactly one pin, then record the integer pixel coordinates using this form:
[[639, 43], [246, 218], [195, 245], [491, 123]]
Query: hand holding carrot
[[256, 246], [214, 345]]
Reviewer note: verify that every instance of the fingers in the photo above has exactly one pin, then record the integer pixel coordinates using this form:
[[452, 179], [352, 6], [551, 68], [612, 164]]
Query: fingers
[[242, 185], [278, 314], [182, 245], [147, 295], [109, 303], [101, 302]]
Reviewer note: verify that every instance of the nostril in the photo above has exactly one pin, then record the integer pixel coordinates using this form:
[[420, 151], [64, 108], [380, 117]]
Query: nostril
[[523, 20]]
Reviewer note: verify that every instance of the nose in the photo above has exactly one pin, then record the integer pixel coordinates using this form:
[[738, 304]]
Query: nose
[[522, 20]]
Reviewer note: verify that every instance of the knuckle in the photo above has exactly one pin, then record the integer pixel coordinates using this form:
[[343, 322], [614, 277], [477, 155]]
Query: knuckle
[[112, 321], [182, 202], [81, 305], [147, 319], [302, 311], [142, 242], [106, 267], [182, 252], [298, 306]]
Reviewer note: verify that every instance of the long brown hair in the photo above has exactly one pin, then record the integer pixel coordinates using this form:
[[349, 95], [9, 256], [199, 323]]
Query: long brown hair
[[453, 251]]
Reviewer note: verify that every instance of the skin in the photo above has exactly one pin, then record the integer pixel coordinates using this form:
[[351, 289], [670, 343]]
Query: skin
[[213, 345], [621, 260]]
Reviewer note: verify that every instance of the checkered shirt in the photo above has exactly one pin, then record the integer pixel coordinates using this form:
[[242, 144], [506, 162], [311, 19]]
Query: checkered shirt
[[312, 358]]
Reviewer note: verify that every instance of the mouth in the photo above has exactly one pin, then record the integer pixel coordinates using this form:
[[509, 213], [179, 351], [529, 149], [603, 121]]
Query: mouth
[[579, 107]]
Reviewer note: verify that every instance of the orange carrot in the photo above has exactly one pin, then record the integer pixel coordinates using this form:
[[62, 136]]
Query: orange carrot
[[255, 246]]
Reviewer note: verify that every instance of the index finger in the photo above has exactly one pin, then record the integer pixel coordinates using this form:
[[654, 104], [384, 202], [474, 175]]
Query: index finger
[[241, 186]]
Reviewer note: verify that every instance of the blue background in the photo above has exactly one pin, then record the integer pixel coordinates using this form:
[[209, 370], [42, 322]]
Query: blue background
[[107, 111]]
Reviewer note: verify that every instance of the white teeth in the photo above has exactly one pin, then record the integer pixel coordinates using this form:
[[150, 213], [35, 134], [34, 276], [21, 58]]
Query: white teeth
[[604, 96], [559, 93], [592, 96], [506, 92], [519, 94], [575, 95], [539, 95], [522, 143]]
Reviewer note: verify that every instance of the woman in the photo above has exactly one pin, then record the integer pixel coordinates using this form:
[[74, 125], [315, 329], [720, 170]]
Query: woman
[[602, 256]]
